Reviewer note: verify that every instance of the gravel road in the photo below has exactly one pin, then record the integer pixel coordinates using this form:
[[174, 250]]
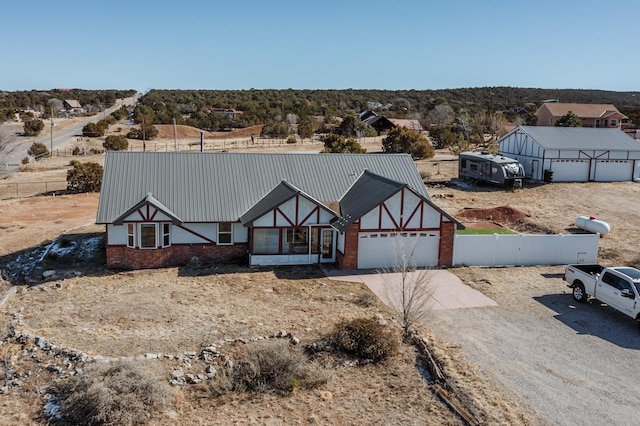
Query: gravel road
[[574, 363]]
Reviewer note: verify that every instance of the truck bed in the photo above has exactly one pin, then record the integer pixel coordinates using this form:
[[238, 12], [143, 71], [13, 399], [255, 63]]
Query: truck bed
[[591, 269]]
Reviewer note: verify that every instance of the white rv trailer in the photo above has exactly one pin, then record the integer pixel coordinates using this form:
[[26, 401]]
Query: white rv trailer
[[486, 167]]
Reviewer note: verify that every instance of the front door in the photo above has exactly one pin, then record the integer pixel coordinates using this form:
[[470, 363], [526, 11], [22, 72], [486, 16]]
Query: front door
[[327, 252]]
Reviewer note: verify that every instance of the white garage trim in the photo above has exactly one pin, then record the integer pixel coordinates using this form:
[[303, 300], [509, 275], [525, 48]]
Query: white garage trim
[[381, 249]]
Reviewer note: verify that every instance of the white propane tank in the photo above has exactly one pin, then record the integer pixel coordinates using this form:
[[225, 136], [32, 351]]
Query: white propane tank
[[591, 224]]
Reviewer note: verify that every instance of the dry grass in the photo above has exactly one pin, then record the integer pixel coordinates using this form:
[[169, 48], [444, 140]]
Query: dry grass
[[175, 310]]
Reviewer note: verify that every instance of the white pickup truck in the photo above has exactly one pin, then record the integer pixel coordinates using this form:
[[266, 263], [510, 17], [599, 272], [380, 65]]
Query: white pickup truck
[[618, 287]]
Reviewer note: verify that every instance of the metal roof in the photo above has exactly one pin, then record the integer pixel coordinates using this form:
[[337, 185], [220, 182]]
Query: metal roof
[[367, 192], [221, 187], [579, 138]]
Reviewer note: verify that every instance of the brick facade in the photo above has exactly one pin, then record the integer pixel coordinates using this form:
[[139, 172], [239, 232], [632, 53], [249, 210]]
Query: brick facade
[[122, 257], [349, 259], [447, 234]]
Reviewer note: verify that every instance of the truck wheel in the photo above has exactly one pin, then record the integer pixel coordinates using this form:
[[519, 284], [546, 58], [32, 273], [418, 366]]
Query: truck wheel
[[578, 292]]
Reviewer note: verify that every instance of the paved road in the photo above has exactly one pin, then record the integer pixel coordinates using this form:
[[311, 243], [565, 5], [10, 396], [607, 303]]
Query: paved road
[[62, 136]]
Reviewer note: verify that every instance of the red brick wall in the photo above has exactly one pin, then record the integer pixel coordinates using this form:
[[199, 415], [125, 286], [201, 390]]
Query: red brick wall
[[447, 233], [349, 259], [123, 257]]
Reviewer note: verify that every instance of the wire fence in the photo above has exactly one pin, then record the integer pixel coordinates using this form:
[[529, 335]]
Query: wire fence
[[29, 189], [193, 145]]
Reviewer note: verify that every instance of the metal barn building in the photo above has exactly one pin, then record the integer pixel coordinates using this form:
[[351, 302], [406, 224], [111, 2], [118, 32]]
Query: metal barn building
[[573, 154]]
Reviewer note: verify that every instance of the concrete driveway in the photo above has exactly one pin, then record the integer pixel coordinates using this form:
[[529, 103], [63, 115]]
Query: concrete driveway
[[449, 292]]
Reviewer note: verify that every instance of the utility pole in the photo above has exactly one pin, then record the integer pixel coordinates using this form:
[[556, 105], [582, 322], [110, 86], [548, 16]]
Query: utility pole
[[51, 132]]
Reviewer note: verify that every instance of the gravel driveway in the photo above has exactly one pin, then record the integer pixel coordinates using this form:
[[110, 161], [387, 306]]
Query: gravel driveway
[[573, 363]]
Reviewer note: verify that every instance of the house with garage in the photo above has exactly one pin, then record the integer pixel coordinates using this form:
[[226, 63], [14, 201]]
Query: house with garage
[[573, 154], [355, 210], [592, 115]]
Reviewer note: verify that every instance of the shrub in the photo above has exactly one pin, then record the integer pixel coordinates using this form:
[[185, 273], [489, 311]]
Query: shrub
[[116, 143], [116, 394], [25, 160], [403, 140], [291, 140], [150, 132], [84, 177], [38, 150], [337, 144], [33, 127], [366, 300], [365, 339], [274, 365]]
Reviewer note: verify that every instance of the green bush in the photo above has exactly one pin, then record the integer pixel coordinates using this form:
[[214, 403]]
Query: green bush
[[38, 151], [84, 177], [336, 144], [33, 127], [116, 394], [116, 143], [403, 140], [275, 366], [150, 132], [365, 339]]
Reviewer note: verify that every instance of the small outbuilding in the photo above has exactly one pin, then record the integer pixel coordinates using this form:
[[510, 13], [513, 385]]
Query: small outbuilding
[[573, 154]]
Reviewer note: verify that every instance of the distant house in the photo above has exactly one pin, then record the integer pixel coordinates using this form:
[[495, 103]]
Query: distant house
[[383, 124], [73, 106], [356, 210], [592, 115], [573, 154], [409, 124], [228, 112]]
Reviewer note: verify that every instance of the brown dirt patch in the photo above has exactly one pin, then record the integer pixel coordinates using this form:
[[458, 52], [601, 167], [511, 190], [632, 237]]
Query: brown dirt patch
[[501, 214], [165, 131], [29, 222]]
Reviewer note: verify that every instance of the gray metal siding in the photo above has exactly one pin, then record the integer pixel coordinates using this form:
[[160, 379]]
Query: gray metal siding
[[213, 187]]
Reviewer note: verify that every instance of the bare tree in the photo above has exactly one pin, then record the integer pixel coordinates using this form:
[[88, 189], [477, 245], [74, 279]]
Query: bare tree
[[441, 115], [409, 291], [55, 105], [7, 146]]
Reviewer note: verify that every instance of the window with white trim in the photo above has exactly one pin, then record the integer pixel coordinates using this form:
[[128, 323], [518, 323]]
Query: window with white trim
[[166, 234], [225, 233], [148, 236], [131, 235]]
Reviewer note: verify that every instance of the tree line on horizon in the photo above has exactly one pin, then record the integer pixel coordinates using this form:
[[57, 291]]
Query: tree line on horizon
[[44, 100]]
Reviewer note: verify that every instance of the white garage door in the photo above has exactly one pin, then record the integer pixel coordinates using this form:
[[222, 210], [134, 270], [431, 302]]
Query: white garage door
[[613, 170], [570, 170], [381, 249]]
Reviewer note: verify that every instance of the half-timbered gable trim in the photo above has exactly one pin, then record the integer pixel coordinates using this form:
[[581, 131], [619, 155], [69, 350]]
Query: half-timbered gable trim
[[383, 204], [149, 209], [287, 206], [403, 211]]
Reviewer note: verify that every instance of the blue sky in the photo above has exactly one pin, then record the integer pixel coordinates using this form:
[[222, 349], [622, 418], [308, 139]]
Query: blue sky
[[243, 44]]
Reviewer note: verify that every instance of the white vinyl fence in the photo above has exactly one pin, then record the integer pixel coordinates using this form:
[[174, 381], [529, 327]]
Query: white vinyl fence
[[524, 250]]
